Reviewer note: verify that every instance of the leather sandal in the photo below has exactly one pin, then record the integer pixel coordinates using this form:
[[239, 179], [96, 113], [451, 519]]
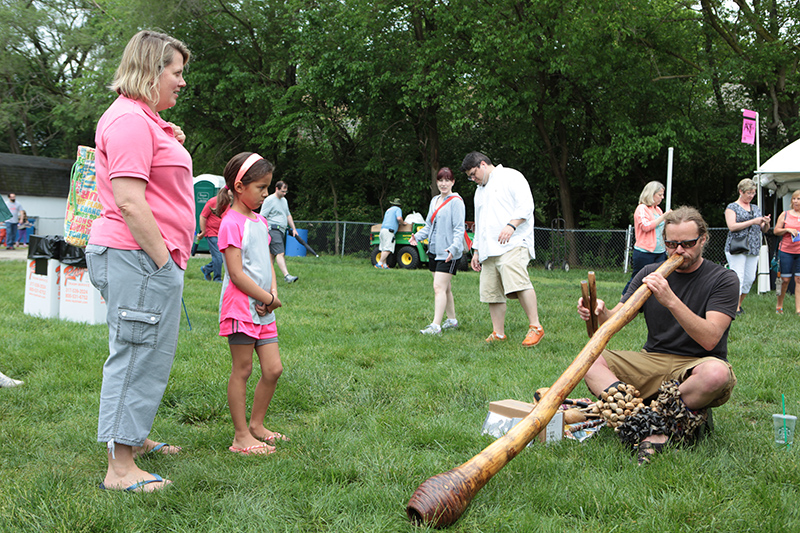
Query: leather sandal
[[647, 449]]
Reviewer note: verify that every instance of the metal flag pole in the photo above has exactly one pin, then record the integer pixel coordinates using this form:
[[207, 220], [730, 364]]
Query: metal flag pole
[[670, 153], [763, 255]]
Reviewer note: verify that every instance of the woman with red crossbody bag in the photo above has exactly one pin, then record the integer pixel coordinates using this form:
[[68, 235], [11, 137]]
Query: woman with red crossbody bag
[[444, 229]]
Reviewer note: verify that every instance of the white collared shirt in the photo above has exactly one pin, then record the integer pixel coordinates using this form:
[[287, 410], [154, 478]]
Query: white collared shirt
[[506, 196]]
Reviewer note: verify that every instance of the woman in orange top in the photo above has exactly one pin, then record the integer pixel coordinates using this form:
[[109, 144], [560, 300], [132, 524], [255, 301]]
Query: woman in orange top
[[788, 225], [648, 224]]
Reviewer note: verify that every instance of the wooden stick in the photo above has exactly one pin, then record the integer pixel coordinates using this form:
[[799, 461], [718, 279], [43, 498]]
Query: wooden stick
[[442, 499], [587, 301], [593, 298]]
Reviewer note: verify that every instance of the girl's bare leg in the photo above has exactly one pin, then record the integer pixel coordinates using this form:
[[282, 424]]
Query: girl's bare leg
[[241, 368], [271, 369]]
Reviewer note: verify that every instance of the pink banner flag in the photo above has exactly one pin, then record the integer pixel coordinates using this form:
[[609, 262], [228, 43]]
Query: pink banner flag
[[749, 126]]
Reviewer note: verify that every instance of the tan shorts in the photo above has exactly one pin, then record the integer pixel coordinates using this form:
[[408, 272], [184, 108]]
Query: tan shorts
[[647, 370], [503, 276], [387, 241]]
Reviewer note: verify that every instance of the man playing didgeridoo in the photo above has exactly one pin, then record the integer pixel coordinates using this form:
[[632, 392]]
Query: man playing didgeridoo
[[683, 365]]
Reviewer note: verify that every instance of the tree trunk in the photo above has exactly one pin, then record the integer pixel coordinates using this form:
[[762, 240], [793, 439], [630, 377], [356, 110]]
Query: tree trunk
[[336, 240], [558, 155], [432, 151]]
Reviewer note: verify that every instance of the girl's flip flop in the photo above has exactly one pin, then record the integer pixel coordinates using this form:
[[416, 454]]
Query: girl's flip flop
[[276, 437], [252, 450]]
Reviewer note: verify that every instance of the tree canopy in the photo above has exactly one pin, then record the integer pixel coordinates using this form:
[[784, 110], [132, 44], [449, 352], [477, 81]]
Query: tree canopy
[[358, 101]]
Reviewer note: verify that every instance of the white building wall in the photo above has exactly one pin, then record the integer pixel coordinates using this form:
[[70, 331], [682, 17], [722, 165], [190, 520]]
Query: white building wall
[[49, 211]]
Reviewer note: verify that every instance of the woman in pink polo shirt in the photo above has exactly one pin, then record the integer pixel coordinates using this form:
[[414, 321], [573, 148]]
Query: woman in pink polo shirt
[[139, 248]]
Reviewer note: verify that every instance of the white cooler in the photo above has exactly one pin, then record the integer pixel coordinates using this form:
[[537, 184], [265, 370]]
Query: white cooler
[[80, 301], [42, 288]]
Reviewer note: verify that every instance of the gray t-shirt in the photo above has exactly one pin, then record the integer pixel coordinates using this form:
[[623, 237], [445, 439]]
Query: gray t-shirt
[[276, 211], [15, 208]]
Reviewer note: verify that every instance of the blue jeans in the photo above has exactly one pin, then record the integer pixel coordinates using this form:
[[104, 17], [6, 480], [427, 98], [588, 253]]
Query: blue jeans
[[11, 234], [790, 264], [215, 265]]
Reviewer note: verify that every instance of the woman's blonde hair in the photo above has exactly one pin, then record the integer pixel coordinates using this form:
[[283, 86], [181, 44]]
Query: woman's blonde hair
[[796, 193], [746, 185], [649, 191], [146, 56]]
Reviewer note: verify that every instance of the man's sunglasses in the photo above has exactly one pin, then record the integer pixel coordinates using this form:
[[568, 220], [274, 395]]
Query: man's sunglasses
[[686, 244]]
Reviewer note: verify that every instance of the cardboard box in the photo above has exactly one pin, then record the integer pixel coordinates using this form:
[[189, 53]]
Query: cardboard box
[[80, 301], [505, 414], [404, 227], [42, 288]]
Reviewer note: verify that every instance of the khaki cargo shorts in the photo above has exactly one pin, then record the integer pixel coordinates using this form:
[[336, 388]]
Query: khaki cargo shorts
[[647, 370], [504, 275]]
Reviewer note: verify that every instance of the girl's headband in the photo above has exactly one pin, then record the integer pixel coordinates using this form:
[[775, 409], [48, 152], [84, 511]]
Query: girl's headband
[[246, 166]]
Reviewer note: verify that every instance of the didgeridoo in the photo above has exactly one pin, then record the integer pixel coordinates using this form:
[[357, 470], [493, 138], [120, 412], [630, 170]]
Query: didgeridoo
[[593, 300], [440, 501], [587, 301]]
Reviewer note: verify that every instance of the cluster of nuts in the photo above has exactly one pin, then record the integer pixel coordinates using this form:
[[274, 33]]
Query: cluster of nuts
[[666, 415], [617, 403], [682, 422]]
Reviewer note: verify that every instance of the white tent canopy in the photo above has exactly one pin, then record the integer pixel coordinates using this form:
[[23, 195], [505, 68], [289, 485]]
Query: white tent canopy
[[781, 172]]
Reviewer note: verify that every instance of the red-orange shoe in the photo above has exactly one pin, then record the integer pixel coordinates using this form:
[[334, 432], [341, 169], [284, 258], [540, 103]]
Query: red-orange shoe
[[535, 334], [494, 337]]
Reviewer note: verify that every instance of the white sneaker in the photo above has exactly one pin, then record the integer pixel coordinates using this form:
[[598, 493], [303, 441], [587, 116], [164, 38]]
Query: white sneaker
[[289, 278], [450, 323], [431, 329], [6, 381]]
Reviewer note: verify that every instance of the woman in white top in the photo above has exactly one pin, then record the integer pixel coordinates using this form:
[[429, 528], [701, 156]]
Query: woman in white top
[[742, 216]]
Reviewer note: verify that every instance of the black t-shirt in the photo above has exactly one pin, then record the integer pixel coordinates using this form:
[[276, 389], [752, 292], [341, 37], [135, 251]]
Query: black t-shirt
[[709, 288]]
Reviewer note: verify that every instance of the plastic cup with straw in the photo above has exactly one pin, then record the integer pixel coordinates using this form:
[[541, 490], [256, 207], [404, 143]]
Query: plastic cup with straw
[[784, 426]]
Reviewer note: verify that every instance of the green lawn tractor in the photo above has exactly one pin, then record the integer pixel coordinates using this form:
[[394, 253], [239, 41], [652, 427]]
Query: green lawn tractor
[[407, 256]]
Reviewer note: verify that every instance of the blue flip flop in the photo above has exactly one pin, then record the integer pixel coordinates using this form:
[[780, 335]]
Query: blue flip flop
[[138, 484], [161, 448], [160, 445]]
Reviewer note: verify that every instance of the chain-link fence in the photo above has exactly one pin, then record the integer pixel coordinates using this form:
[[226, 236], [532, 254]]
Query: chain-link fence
[[587, 249], [604, 249], [337, 238]]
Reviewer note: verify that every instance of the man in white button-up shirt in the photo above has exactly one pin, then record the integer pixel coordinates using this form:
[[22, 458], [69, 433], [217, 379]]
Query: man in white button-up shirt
[[503, 244]]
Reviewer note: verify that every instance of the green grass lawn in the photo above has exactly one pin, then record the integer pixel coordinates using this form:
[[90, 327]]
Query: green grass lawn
[[373, 409]]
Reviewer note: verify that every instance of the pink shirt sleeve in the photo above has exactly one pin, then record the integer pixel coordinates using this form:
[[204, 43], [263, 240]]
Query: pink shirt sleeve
[[230, 233], [129, 143]]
